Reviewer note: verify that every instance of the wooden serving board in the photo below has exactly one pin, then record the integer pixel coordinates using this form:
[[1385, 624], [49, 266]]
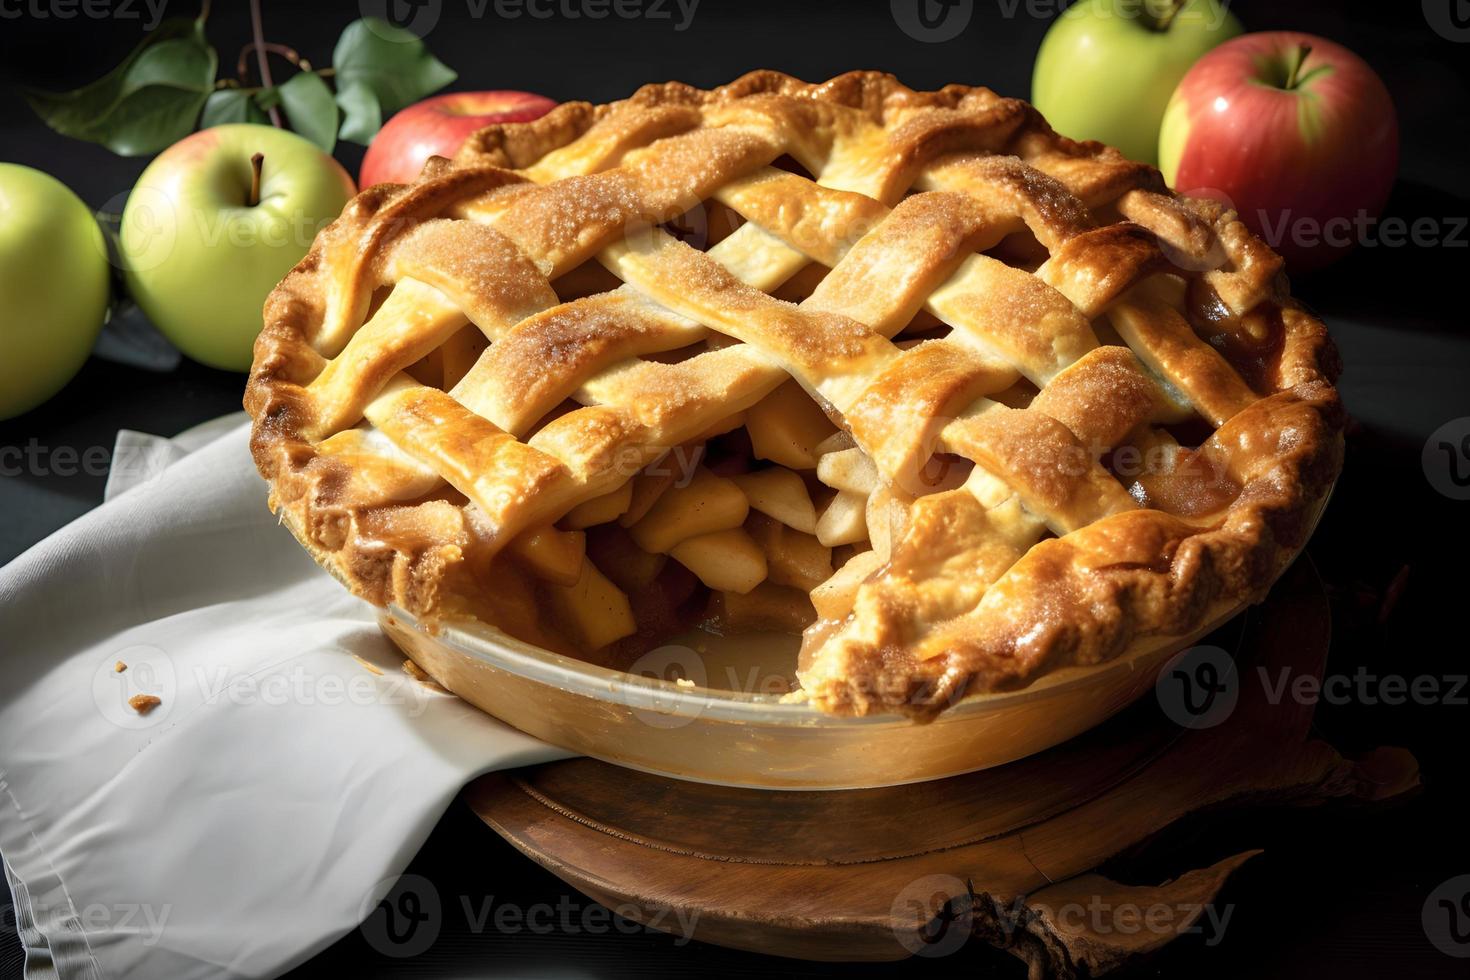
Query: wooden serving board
[[1007, 855]]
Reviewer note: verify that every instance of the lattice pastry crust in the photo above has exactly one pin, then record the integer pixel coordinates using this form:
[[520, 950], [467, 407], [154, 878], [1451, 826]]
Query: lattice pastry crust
[[997, 401]]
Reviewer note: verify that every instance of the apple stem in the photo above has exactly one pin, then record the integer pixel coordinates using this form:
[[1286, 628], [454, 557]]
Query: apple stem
[[1298, 58], [256, 160], [1160, 21]]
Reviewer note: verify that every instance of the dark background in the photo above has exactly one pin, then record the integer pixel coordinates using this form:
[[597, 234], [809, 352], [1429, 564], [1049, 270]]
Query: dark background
[[1338, 891]]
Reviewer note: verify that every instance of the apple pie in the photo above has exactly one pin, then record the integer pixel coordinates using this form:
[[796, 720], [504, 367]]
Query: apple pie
[[958, 399]]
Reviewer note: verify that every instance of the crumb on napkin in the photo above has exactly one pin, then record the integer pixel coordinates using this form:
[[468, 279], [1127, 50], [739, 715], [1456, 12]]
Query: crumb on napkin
[[144, 703]]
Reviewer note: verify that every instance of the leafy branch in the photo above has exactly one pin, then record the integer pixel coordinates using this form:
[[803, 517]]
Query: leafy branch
[[167, 87]]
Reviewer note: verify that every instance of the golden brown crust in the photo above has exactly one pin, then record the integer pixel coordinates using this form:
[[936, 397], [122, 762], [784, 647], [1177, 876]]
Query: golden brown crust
[[1111, 245]]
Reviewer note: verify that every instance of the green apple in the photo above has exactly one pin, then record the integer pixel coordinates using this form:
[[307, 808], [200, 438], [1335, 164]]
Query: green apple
[[1107, 68], [53, 286], [214, 223]]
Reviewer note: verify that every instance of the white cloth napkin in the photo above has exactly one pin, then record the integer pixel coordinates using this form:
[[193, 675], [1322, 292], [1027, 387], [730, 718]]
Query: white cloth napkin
[[260, 811]]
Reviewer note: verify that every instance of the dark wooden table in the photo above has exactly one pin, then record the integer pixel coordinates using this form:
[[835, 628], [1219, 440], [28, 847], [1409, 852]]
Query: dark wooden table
[[1340, 894]]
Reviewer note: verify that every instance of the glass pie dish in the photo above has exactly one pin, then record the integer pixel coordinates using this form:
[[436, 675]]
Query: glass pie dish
[[715, 709], [747, 734]]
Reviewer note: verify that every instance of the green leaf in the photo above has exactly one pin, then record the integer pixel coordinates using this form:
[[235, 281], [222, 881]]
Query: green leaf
[[390, 62], [362, 117], [310, 108], [148, 102], [231, 105]]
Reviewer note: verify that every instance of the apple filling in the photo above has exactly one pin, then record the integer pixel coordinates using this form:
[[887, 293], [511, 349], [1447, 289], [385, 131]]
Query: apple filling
[[768, 526]]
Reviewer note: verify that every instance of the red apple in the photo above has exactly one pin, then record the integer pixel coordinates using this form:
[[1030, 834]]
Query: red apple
[[1295, 131], [437, 126]]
